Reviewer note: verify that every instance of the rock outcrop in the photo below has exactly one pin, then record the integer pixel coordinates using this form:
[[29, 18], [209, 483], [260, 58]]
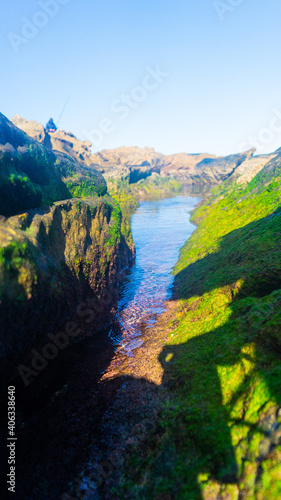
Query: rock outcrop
[[251, 167], [215, 170], [51, 262], [198, 169], [32, 128], [133, 164], [62, 141], [32, 175], [61, 245], [180, 164]]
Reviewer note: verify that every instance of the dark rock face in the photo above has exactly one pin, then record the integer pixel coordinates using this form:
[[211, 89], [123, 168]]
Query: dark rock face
[[56, 257], [52, 261], [28, 177]]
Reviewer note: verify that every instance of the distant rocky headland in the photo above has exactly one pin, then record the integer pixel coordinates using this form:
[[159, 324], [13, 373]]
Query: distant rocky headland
[[133, 163]]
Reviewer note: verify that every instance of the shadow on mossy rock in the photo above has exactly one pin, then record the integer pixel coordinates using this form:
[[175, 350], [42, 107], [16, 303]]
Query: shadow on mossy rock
[[32, 176], [51, 261]]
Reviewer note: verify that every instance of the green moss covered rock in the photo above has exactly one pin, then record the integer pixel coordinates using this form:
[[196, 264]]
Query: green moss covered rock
[[58, 263], [221, 414], [32, 176]]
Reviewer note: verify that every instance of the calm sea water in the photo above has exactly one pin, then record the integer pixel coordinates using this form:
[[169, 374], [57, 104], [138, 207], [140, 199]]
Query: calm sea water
[[159, 228]]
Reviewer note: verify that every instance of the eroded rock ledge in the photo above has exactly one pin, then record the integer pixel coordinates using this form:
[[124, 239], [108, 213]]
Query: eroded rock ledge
[[60, 255]]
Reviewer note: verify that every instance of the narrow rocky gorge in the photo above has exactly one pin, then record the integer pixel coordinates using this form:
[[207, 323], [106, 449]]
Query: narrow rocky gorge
[[184, 403]]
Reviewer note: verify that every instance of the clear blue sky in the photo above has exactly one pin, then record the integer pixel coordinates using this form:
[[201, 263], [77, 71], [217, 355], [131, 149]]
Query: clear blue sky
[[224, 74]]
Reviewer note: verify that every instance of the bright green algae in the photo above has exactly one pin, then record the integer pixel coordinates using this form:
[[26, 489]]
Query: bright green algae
[[221, 432]]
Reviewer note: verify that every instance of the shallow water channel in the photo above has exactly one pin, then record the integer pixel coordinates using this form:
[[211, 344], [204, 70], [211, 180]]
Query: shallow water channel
[[61, 416], [159, 228]]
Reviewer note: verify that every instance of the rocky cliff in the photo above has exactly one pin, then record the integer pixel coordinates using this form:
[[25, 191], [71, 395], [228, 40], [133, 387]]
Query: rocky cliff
[[62, 141], [134, 164], [61, 245], [197, 169], [31, 175]]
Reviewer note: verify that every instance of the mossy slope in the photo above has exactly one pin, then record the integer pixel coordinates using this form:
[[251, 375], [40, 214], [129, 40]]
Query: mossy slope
[[221, 420]]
